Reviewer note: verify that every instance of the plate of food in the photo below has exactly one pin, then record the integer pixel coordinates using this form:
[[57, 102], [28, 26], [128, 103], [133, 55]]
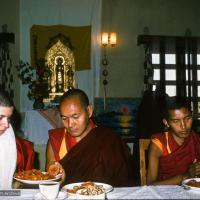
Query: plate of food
[[74, 187], [35, 176], [192, 184]]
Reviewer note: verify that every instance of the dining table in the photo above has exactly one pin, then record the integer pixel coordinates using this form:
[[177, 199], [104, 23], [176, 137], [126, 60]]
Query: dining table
[[139, 192]]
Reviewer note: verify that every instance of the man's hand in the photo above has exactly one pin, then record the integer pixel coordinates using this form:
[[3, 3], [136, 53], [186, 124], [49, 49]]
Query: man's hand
[[55, 169], [194, 169]]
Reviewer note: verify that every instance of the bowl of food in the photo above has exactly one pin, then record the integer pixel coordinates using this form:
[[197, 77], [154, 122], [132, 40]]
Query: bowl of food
[[91, 191]]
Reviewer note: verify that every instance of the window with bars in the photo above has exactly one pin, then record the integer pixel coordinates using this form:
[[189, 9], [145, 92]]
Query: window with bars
[[170, 73], [175, 63]]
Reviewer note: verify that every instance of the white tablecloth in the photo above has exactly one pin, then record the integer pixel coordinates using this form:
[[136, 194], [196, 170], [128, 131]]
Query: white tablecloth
[[153, 192], [145, 192]]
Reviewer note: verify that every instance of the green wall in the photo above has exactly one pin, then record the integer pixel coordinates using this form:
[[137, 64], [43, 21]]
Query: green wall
[[128, 18]]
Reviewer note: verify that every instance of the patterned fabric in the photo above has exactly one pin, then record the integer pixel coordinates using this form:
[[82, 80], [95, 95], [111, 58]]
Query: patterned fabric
[[148, 69], [6, 76]]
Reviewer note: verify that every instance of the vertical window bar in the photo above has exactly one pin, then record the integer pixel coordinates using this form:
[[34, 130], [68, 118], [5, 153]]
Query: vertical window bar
[[162, 65]]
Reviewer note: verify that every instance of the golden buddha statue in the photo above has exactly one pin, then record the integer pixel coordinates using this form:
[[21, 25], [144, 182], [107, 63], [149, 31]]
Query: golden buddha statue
[[60, 61]]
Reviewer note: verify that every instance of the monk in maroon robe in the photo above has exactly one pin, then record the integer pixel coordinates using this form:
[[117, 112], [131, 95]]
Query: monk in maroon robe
[[176, 159], [174, 154], [98, 154]]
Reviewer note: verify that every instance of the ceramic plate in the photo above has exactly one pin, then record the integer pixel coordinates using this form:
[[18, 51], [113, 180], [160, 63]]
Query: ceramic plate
[[107, 187], [191, 188], [35, 182], [61, 196]]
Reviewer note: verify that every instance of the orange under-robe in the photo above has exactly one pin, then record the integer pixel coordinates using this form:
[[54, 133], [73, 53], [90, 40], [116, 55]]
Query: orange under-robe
[[176, 159], [55, 139]]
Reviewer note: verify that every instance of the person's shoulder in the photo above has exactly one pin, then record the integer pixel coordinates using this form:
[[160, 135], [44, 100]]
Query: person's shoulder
[[56, 131], [108, 133], [159, 139], [158, 135]]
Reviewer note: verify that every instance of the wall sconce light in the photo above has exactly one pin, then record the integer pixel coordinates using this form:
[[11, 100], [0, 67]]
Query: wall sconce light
[[104, 39], [107, 39], [113, 39]]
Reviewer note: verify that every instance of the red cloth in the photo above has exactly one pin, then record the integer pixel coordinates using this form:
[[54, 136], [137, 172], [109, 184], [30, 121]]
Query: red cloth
[[100, 156], [181, 156], [55, 139], [25, 154]]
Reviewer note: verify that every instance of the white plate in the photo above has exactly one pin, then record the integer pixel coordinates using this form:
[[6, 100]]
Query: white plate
[[32, 182], [107, 187], [191, 188], [61, 196]]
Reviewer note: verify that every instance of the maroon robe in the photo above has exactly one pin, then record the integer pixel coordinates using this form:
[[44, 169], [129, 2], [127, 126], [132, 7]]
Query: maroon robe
[[178, 161], [101, 156]]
